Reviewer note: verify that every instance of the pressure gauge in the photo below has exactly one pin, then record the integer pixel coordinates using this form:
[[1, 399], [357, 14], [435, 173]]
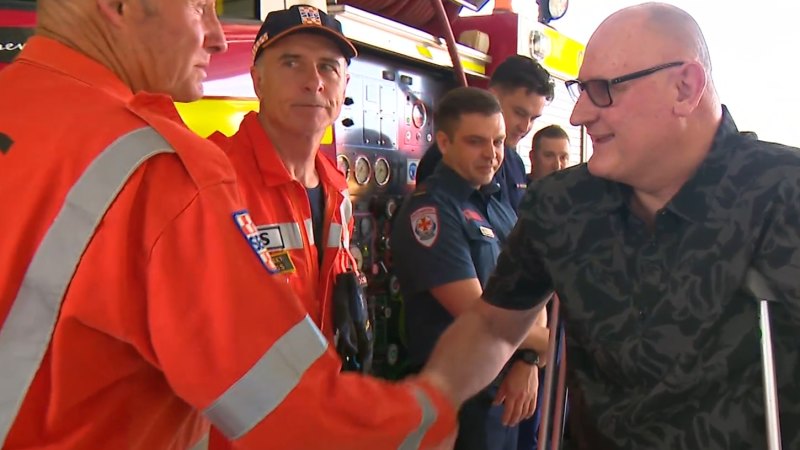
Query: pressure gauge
[[391, 208], [362, 170], [343, 164], [382, 171], [419, 115]]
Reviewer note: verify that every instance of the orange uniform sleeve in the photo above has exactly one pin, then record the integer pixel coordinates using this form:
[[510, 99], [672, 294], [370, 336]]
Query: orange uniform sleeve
[[235, 343]]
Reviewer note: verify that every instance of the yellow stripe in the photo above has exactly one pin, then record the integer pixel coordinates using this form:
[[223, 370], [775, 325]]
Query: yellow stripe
[[566, 54], [424, 51], [474, 67]]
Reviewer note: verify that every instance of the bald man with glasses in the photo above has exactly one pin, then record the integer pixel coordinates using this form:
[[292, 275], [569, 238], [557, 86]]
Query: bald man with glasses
[[648, 246]]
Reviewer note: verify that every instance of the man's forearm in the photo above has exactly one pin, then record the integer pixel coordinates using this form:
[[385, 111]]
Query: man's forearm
[[539, 334], [471, 352], [536, 340]]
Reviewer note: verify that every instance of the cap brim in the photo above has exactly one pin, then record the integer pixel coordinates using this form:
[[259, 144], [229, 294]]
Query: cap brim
[[348, 49]]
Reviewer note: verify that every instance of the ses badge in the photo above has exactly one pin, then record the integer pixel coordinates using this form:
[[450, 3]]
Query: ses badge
[[250, 232], [425, 225]]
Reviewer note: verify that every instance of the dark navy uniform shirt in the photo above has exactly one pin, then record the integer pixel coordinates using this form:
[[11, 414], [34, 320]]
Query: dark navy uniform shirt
[[662, 334], [511, 176], [446, 231]]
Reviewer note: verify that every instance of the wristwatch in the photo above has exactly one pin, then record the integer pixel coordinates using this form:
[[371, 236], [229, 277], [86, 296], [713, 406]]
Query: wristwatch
[[527, 356]]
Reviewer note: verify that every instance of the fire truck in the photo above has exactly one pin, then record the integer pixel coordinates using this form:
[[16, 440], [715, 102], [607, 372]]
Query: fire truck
[[386, 124]]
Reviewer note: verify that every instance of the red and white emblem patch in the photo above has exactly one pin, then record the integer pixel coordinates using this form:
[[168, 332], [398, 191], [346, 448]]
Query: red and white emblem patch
[[425, 225], [250, 232]]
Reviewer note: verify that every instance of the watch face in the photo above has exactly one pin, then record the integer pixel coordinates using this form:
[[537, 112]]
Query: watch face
[[528, 357], [557, 8]]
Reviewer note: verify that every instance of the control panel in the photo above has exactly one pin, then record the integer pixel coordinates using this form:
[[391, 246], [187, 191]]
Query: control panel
[[385, 127]]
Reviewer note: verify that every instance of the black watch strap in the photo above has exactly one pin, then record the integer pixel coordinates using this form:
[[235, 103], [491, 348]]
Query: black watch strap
[[527, 356]]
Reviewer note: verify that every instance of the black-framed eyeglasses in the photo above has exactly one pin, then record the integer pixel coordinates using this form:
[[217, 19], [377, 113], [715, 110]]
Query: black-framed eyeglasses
[[599, 91]]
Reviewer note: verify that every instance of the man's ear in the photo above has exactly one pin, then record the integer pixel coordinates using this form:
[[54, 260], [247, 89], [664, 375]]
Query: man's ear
[[255, 74], [443, 141], [113, 10], [691, 85]]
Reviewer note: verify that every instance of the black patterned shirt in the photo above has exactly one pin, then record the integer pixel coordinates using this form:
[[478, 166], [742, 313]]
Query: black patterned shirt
[[662, 338]]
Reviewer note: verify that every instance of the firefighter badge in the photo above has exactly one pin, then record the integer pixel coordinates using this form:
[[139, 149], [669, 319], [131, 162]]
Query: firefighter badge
[[425, 225]]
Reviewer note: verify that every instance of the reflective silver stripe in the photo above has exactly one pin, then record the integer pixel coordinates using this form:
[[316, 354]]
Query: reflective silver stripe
[[414, 439], [338, 235], [335, 236], [269, 381], [26, 333], [310, 231], [346, 210], [282, 236]]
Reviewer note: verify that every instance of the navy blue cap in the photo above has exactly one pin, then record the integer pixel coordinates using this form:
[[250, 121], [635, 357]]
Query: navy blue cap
[[301, 18]]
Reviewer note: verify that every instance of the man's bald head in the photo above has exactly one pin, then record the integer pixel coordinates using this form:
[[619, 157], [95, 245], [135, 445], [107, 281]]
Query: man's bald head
[[652, 109], [656, 31]]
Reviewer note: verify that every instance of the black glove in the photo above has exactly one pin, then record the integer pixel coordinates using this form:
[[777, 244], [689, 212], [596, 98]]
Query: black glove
[[354, 336]]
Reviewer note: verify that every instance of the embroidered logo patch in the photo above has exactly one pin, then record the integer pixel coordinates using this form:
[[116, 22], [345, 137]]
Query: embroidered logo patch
[[425, 224], [310, 15], [250, 232], [283, 262]]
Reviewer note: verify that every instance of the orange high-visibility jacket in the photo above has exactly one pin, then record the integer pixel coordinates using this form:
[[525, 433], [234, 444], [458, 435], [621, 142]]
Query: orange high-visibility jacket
[[279, 207], [172, 311]]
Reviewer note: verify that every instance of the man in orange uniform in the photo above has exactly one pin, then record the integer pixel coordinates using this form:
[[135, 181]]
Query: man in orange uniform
[[135, 293], [297, 197]]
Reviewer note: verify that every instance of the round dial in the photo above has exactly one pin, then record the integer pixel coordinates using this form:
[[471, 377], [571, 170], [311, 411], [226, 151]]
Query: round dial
[[343, 164], [391, 208], [419, 115], [382, 171], [394, 285], [557, 8], [362, 170]]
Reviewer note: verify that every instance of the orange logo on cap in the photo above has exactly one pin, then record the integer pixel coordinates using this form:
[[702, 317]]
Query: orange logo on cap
[[310, 15]]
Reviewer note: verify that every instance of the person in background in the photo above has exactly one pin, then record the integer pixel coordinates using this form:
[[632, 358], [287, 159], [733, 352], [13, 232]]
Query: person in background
[[549, 152], [523, 88], [297, 198], [446, 239]]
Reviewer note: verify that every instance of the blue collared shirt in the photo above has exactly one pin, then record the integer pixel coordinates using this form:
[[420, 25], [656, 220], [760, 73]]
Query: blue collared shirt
[[446, 231], [510, 176]]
